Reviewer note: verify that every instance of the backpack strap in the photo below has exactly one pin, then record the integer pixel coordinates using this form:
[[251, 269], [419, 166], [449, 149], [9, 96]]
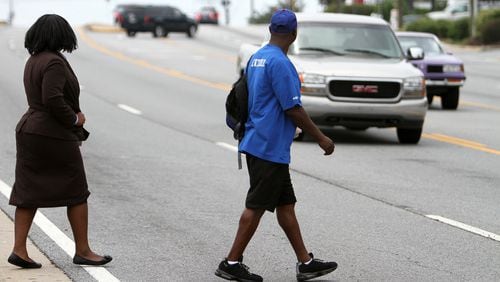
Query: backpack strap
[[240, 165], [240, 162]]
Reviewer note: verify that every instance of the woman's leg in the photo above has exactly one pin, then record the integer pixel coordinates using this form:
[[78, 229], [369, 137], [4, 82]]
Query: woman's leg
[[78, 218], [22, 224]]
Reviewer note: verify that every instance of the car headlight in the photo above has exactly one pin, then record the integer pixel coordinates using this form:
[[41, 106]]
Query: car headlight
[[414, 87], [313, 84], [309, 78], [452, 68]]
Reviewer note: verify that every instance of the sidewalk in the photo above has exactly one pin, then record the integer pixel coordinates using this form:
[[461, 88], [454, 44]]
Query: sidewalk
[[8, 272]]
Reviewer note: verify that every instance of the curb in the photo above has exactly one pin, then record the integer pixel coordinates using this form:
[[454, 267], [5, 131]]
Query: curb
[[8, 272]]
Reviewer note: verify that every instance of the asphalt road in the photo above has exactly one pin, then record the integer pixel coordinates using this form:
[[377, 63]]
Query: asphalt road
[[166, 196]]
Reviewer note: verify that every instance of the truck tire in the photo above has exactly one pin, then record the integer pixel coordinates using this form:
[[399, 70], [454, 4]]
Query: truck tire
[[409, 135], [159, 31], [449, 101], [191, 31], [430, 97]]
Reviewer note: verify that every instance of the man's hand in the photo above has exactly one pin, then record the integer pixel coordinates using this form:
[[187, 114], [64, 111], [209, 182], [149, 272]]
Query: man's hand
[[303, 121], [327, 145], [81, 119]]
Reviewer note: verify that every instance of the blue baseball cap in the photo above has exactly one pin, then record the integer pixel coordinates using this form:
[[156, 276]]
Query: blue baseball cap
[[283, 21]]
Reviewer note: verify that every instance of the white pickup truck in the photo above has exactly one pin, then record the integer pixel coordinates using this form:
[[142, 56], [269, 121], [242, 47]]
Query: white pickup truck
[[355, 74]]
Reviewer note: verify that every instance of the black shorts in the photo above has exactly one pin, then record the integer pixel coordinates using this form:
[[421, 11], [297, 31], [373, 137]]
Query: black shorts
[[270, 184]]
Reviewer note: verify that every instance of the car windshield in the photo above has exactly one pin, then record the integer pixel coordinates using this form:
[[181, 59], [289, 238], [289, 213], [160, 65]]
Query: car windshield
[[346, 39], [428, 44]]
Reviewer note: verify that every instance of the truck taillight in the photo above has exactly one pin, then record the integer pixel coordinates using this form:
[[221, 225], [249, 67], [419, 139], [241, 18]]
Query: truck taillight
[[118, 18], [147, 19]]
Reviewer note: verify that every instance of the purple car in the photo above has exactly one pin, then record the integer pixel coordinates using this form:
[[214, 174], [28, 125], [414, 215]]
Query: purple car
[[444, 73]]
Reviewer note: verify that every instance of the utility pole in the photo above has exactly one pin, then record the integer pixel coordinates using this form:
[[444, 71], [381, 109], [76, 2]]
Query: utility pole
[[473, 15], [252, 8], [398, 5], [11, 12], [226, 4]]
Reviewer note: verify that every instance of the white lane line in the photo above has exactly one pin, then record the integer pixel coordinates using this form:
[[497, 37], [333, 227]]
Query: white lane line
[[63, 241], [129, 109], [465, 227], [227, 146]]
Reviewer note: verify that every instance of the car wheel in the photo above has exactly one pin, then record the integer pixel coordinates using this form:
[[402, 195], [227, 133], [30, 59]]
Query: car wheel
[[409, 135], [191, 31], [159, 31], [430, 98], [130, 33], [450, 100]]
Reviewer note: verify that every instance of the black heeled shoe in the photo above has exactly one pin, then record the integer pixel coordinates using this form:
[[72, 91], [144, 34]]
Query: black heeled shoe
[[80, 260], [18, 261]]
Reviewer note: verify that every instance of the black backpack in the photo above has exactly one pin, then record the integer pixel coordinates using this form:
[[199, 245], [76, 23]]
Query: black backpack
[[237, 108]]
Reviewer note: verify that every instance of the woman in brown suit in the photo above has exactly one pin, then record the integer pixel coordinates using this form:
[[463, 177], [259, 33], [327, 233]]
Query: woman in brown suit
[[49, 166]]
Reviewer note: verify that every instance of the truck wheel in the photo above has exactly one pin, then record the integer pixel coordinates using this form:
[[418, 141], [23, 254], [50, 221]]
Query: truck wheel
[[130, 33], [409, 135], [159, 31], [450, 100], [191, 31], [430, 97]]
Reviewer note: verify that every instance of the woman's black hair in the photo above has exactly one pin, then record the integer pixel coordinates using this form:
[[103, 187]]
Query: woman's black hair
[[50, 33]]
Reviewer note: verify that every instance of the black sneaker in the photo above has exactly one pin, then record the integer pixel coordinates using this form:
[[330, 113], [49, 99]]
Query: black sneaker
[[315, 268], [238, 272]]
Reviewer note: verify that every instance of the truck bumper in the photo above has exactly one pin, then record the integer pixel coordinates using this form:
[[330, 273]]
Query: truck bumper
[[407, 113], [445, 82]]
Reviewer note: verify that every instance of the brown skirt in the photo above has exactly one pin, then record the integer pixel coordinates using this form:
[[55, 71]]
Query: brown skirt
[[49, 173]]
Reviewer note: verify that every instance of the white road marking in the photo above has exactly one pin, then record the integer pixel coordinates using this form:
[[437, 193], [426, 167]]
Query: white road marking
[[227, 146], [63, 241], [465, 227], [129, 109]]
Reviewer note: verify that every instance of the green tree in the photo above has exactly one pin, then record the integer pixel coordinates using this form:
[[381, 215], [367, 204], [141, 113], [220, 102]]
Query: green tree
[[262, 18]]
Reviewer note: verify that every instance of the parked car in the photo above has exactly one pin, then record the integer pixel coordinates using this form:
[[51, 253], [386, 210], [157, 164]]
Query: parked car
[[355, 74], [159, 20], [444, 73], [207, 15]]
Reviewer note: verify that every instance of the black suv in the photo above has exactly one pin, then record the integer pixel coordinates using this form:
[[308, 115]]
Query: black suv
[[160, 20]]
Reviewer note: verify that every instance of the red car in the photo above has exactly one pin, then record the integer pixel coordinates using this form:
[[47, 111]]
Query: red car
[[207, 15]]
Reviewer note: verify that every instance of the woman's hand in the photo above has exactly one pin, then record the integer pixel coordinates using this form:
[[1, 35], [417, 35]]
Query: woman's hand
[[81, 119]]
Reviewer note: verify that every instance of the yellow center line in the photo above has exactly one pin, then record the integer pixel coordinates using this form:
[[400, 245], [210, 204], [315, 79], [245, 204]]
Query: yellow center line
[[480, 105], [460, 142], [147, 65]]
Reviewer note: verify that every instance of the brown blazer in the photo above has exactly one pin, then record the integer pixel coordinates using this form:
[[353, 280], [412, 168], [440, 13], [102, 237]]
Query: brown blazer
[[53, 91]]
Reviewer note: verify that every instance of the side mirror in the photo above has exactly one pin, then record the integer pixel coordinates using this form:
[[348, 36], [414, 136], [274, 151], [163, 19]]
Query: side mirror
[[415, 53]]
